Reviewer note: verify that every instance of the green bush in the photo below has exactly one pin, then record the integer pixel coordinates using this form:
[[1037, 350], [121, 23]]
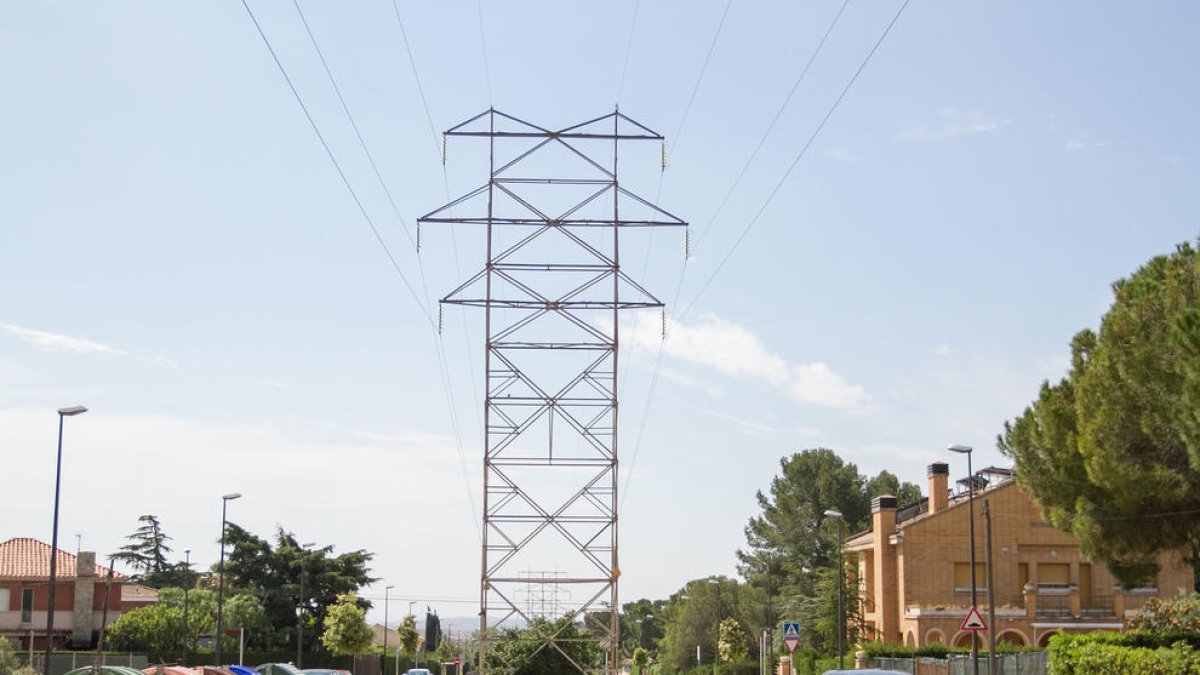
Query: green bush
[[1121, 654]]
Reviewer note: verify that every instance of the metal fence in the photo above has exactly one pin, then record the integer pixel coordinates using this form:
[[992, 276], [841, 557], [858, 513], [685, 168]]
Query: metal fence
[[1017, 663], [63, 662]]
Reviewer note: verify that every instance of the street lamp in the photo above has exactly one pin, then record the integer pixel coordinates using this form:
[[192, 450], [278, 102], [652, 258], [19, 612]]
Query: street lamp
[[386, 591], [965, 450], [301, 602], [410, 613], [187, 571], [225, 499], [837, 515], [69, 411]]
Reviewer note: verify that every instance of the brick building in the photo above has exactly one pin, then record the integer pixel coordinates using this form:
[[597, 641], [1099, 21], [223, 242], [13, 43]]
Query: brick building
[[915, 572], [79, 595]]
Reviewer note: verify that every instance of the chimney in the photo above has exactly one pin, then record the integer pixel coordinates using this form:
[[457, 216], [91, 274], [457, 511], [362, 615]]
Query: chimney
[[85, 564], [939, 486], [887, 598]]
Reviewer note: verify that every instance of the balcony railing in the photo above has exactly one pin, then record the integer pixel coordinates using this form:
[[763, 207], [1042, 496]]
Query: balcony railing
[[1100, 605], [1053, 606]]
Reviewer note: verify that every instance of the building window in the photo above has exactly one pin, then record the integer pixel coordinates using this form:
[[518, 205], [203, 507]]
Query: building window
[[1054, 576], [26, 605], [962, 577]]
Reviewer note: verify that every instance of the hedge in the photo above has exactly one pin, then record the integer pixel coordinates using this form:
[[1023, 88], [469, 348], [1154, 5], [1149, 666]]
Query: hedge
[[1123, 654]]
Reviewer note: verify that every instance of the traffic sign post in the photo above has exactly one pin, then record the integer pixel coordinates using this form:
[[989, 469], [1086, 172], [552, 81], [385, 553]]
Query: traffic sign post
[[974, 621], [791, 636]]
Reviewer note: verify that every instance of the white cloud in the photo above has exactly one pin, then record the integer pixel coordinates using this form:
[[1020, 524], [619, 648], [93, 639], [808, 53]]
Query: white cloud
[[1079, 144], [842, 154], [54, 342], [734, 350], [943, 349], [951, 124], [749, 427]]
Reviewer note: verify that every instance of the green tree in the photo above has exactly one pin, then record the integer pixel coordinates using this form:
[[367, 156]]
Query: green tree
[[1111, 452], [787, 537], [275, 575], [410, 639], [433, 631], [1180, 614], [642, 625], [546, 648], [446, 651], [159, 628], [641, 659], [9, 662], [346, 632], [732, 645], [692, 619], [147, 549]]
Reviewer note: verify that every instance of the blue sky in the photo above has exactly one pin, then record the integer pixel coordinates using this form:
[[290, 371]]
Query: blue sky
[[178, 253]]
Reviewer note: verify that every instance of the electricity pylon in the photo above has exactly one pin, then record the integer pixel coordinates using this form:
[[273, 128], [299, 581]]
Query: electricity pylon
[[552, 290]]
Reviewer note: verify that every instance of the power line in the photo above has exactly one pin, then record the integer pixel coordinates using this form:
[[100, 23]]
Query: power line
[[775, 120], [342, 174], [447, 381], [443, 369], [361, 141], [628, 49], [699, 78], [487, 70], [804, 150], [662, 344]]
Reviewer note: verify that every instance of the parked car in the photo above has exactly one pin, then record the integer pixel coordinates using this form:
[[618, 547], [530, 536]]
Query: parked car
[[277, 669], [418, 671], [865, 671], [325, 671]]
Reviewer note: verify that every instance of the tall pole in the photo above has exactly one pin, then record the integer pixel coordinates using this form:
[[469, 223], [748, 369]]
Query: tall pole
[[225, 499], [962, 449], [302, 603], [841, 622], [410, 613], [987, 538], [62, 412], [187, 568], [383, 661], [841, 597]]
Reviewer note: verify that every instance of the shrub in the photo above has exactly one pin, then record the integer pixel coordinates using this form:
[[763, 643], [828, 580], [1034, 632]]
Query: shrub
[[1117, 654]]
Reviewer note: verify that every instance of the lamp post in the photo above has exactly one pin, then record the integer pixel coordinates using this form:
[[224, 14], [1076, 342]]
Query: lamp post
[[304, 548], [965, 450], [837, 515], [225, 499], [410, 613], [187, 570], [69, 411], [383, 662], [987, 548]]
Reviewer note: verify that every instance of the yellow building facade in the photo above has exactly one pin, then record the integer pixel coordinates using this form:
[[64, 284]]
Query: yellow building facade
[[915, 572]]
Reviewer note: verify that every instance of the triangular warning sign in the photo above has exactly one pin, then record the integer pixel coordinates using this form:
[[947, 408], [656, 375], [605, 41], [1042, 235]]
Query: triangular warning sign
[[973, 621]]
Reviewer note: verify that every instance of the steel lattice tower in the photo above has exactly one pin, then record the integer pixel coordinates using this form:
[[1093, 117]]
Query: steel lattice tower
[[552, 290]]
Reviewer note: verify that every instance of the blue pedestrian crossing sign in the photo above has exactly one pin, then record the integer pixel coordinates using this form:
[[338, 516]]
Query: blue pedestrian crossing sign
[[791, 636]]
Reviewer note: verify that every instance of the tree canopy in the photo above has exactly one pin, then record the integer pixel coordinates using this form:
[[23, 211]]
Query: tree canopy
[[527, 652], [146, 552], [792, 538], [275, 574], [410, 639], [160, 628], [1112, 451], [345, 630]]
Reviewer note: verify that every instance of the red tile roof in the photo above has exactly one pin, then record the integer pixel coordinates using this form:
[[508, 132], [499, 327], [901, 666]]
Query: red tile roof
[[28, 558]]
